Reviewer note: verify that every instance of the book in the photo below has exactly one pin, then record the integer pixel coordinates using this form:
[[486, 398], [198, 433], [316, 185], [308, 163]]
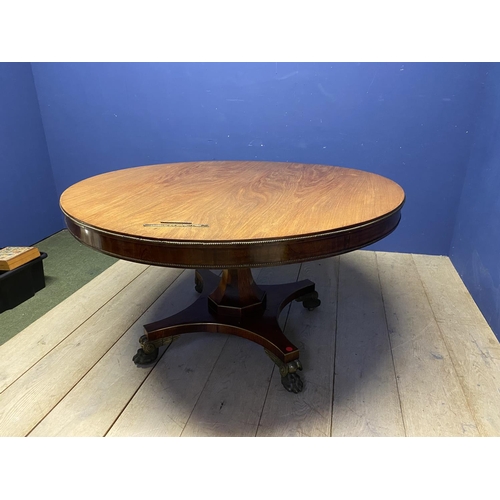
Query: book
[[13, 257]]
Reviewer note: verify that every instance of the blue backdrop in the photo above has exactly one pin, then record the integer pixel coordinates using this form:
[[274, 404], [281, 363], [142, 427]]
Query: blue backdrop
[[433, 128], [29, 210], [475, 248], [410, 122]]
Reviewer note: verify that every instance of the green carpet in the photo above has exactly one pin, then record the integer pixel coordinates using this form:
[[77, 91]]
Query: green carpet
[[69, 265]]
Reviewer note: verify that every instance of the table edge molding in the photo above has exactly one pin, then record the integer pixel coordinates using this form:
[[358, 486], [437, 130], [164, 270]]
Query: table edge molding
[[244, 253]]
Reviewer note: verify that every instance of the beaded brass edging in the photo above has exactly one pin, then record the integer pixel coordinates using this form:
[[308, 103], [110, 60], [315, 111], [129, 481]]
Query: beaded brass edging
[[230, 242], [213, 255]]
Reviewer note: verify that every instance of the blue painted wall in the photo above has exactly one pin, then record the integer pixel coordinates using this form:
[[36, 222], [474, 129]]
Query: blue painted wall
[[434, 128], [29, 209], [475, 248], [409, 122]]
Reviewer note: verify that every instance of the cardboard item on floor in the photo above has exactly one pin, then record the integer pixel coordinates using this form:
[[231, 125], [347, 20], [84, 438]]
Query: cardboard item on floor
[[13, 257]]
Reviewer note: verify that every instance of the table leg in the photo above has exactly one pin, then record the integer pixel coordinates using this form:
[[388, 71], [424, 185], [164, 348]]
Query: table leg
[[234, 304], [205, 280]]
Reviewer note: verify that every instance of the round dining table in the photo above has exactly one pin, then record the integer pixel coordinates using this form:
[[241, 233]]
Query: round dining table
[[232, 216]]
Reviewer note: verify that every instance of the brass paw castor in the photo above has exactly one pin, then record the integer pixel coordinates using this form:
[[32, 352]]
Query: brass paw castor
[[198, 284], [310, 301], [147, 354], [292, 383], [290, 378]]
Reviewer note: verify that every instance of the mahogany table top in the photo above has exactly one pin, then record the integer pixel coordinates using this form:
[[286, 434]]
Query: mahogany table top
[[222, 214]]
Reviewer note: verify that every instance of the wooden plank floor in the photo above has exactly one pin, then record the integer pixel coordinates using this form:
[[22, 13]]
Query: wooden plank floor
[[397, 348]]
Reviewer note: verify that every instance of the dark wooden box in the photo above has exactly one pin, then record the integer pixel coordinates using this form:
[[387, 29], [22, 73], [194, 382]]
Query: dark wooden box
[[22, 283]]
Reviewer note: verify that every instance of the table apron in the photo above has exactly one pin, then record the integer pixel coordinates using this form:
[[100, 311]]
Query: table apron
[[223, 255]]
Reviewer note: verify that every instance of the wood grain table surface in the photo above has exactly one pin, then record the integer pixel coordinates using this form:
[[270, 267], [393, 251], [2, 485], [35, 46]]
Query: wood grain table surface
[[222, 214]]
